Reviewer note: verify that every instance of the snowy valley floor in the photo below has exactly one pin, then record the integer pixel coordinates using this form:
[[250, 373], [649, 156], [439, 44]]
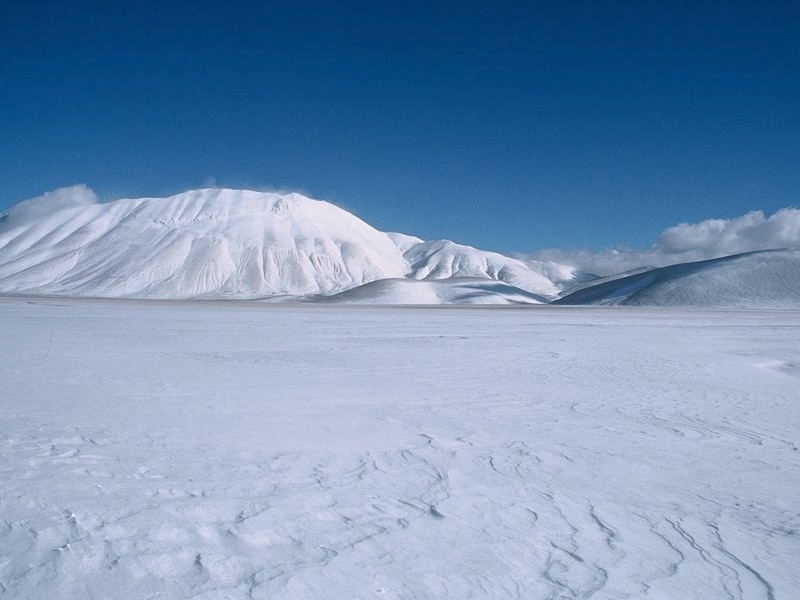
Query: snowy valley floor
[[230, 450]]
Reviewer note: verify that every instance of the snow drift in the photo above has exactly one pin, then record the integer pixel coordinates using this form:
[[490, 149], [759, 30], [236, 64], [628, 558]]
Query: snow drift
[[765, 279], [457, 290], [221, 243]]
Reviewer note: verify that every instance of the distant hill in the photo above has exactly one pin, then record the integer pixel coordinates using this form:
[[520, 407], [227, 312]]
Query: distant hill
[[765, 279], [455, 290]]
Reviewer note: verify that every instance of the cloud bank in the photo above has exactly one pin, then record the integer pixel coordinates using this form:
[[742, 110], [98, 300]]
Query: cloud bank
[[687, 242]]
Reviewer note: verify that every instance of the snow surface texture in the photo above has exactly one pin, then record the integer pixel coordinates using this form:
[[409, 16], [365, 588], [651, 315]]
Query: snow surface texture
[[767, 279], [232, 450], [219, 243]]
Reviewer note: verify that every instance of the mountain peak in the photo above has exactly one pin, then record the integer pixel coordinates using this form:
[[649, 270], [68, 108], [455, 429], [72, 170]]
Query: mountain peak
[[222, 243]]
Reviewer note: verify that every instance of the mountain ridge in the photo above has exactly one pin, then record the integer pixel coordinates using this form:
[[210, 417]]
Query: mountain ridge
[[223, 243], [218, 243]]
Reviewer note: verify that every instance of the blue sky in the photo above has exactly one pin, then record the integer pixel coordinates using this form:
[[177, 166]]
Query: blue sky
[[508, 126]]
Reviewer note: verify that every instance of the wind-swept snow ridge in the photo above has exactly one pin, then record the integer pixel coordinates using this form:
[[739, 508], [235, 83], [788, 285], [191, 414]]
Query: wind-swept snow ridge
[[454, 290], [765, 279], [221, 243]]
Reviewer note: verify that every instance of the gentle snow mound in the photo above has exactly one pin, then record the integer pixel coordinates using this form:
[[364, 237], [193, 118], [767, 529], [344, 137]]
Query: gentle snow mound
[[456, 290], [766, 279]]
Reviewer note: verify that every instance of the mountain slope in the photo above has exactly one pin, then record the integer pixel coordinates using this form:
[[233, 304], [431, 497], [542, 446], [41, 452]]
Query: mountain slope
[[219, 243], [199, 243], [443, 259], [765, 279]]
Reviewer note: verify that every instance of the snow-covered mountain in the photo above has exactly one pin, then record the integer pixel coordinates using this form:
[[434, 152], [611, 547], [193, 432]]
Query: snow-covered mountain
[[221, 243], [765, 279]]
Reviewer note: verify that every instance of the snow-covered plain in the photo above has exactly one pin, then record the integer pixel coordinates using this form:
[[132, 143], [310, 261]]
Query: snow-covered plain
[[233, 450]]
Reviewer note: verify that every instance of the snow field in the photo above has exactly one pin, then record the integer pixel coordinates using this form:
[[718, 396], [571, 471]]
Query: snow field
[[232, 450]]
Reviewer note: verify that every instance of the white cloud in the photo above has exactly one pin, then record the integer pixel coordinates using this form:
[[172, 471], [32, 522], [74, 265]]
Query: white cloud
[[686, 242], [67, 197], [752, 231]]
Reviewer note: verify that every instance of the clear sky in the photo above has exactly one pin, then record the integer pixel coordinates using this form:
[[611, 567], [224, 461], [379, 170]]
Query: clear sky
[[508, 126]]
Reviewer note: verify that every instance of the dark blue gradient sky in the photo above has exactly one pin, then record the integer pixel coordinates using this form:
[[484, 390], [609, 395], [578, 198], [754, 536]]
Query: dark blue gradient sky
[[508, 126]]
